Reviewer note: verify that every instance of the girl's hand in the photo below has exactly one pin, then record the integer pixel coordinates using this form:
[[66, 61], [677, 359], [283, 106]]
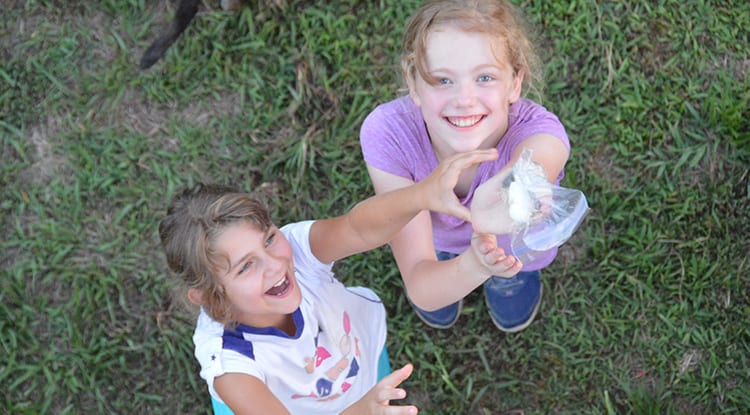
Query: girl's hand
[[377, 400], [493, 258], [437, 188], [489, 207]]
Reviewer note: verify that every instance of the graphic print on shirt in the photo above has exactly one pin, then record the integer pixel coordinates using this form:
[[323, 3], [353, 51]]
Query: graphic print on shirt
[[350, 354]]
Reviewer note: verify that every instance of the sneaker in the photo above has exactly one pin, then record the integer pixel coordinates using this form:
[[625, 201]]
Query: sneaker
[[445, 317], [442, 318], [513, 302]]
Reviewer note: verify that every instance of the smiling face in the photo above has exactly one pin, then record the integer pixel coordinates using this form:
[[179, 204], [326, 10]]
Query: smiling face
[[259, 285], [466, 103]]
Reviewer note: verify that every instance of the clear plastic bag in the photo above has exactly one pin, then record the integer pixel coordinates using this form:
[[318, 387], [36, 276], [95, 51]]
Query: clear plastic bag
[[544, 215]]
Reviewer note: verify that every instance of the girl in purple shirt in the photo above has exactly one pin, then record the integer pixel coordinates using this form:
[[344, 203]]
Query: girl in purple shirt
[[466, 64]]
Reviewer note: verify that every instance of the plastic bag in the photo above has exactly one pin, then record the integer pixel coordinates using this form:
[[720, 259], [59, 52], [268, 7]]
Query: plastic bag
[[544, 215]]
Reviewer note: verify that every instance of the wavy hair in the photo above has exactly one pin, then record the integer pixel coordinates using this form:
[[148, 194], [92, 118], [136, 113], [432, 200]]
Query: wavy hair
[[195, 219], [499, 19]]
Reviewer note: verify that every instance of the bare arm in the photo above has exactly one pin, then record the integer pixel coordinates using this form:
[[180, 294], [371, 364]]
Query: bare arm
[[235, 388], [376, 221]]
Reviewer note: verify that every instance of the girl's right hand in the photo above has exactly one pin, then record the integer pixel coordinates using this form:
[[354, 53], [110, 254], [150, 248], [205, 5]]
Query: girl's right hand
[[377, 400]]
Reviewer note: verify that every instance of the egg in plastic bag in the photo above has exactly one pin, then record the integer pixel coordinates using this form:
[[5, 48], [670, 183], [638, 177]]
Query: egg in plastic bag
[[544, 215]]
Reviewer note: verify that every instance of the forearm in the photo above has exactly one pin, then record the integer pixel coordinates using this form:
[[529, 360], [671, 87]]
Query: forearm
[[368, 225], [352, 410], [433, 284], [378, 219]]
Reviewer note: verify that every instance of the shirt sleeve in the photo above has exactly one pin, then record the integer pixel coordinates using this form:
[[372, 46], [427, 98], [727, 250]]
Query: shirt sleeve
[[214, 359], [305, 262], [391, 138]]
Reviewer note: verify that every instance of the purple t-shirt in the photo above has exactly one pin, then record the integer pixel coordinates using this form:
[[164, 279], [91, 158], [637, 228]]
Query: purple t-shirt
[[394, 139]]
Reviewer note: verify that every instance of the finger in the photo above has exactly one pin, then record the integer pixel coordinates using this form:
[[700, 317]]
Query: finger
[[485, 242], [463, 160], [479, 156], [485, 155], [489, 250], [460, 211], [402, 410], [404, 372], [394, 379], [510, 261], [507, 260], [494, 257], [511, 269], [390, 394], [518, 265]]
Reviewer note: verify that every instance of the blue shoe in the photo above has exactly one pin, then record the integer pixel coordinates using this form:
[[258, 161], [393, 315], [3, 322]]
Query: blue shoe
[[513, 302], [445, 317], [442, 318]]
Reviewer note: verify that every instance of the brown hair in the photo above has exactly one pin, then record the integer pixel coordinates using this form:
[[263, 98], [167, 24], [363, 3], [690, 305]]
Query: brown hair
[[195, 219], [496, 18]]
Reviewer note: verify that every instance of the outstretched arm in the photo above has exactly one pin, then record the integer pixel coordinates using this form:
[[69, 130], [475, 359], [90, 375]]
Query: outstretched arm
[[375, 221]]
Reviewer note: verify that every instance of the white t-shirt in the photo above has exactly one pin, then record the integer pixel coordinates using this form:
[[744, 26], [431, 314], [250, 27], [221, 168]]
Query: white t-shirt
[[330, 362]]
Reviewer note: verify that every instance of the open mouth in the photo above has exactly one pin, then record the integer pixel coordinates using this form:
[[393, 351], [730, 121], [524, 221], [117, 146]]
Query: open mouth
[[464, 122], [280, 288]]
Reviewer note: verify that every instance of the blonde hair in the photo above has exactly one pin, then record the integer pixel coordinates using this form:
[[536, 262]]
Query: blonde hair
[[499, 19], [195, 219]]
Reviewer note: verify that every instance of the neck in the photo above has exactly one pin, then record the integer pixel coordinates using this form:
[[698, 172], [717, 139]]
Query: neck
[[287, 325]]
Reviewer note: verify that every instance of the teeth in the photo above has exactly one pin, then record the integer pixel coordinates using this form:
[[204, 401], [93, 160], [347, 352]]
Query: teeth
[[281, 281], [464, 121]]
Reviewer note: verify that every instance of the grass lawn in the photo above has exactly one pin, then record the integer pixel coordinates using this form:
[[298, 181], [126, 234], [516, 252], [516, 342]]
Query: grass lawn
[[646, 309]]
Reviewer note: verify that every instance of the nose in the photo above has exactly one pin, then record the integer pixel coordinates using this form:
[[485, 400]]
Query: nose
[[273, 265], [466, 94]]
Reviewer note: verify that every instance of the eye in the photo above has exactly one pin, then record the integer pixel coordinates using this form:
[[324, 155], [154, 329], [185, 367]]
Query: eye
[[485, 78], [244, 267], [270, 239], [443, 81]]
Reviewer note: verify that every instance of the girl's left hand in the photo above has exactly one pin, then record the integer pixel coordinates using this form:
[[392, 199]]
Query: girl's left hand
[[439, 185], [493, 258], [489, 208]]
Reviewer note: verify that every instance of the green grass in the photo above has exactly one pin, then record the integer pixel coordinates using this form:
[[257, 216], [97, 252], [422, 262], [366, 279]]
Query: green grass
[[645, 309]]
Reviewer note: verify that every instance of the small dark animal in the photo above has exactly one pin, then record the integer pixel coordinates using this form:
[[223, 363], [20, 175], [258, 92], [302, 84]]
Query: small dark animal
[[186, 11]]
